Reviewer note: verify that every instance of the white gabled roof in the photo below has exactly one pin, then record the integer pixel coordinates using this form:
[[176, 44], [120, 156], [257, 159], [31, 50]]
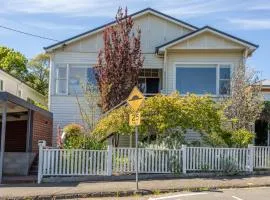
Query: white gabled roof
[[237, 40], [134, 15], [266, 83]]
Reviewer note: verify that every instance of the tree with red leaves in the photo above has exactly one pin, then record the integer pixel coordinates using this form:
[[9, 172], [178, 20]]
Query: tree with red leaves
[[119, 62]]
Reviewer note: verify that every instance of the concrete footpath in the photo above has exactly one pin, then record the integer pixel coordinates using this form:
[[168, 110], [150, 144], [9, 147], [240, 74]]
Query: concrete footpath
[[125, 188]]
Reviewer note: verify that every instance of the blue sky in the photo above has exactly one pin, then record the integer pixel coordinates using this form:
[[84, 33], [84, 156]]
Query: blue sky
[[60, 19]]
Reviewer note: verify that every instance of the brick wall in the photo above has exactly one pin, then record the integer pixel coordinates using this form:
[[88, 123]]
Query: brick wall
[[42, 130]]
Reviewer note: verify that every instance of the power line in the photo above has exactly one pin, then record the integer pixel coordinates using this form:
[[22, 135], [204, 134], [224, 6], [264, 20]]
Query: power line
[[29, 34]]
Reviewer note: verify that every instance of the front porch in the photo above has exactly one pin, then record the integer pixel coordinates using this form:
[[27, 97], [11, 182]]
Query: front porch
[[22, 126]]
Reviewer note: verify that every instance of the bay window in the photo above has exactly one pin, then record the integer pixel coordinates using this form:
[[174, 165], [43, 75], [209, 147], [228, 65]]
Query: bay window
[[73, 79], [213, 79]]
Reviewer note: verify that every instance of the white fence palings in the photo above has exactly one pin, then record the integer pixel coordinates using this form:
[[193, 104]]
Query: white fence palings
[[216, 159], [73, 162], [149, 160], [77, 162], [262, 157]]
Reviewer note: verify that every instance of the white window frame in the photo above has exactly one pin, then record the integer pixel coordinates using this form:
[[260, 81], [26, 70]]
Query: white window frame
[[61, 65], [68, 66], [217, 66]]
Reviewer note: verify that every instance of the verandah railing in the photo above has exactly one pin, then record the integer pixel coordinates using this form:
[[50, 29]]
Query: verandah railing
[[77, 162]]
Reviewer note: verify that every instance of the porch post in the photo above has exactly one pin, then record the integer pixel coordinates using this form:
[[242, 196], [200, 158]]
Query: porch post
[[3, 138], [29, 131], [268, 133]]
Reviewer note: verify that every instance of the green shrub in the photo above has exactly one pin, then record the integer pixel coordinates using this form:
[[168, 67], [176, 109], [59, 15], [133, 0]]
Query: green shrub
[[73, 129], [161, 114], [77, 138], [241, 138]]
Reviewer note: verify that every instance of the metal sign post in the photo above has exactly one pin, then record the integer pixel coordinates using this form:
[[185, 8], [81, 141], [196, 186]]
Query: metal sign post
[[137, 163], [135, 101]]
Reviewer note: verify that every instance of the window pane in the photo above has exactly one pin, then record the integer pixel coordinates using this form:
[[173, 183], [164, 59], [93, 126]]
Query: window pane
[[91, 79], [147, 72], [142, 85], [77, 80], [198, 80], [224, 87], [225, 73], [61, 86], [142, 71], [61, 73]]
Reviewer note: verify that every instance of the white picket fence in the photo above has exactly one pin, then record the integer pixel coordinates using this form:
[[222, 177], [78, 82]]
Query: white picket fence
[[63, 162], [76, 162], [218, 159], [262, 157], [149, 160]]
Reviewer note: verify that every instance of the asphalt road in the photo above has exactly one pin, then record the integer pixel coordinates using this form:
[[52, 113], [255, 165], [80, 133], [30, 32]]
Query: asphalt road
[[229, 194]]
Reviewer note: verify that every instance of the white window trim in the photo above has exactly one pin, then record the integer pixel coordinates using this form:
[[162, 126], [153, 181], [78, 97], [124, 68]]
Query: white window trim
[[217, 66], [68, 66], [64, 65]]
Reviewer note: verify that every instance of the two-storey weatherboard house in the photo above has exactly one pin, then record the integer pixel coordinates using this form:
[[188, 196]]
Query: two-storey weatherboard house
[[178, 56]]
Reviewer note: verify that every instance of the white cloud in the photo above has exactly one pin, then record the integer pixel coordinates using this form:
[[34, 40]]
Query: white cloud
[[107, 8], [53, 26], [252, 24], [70, 7], [195, 8]]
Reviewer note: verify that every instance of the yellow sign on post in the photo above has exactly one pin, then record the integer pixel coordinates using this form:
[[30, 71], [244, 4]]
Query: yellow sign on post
[[135, 99], [135, 119]]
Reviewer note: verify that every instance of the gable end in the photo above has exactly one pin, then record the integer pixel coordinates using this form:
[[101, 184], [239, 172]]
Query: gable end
[[136, 14]]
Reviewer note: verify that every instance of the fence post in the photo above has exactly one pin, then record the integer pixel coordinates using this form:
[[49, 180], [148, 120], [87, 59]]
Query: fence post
[[41, 145], [109, 160], [184, 158], [251, 157]]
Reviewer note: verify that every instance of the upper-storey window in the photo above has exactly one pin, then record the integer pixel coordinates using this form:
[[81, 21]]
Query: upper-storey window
[[72, 79], [61, 79], [211, 79]]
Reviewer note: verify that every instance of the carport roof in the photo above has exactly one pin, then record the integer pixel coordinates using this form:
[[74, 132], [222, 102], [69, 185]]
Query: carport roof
[[6, 96]]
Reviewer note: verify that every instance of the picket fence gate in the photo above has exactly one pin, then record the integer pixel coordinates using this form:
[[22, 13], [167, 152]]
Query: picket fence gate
[[78, 162]]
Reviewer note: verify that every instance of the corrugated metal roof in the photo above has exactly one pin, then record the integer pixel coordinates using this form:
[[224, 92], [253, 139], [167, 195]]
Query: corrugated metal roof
[[266, 83]]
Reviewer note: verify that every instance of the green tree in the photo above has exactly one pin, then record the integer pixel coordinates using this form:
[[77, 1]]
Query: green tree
[[13, 62], [166, 119], [38, 75], [119, 62]]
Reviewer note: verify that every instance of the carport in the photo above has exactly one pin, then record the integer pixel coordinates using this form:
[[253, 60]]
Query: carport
[[22, 126]]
